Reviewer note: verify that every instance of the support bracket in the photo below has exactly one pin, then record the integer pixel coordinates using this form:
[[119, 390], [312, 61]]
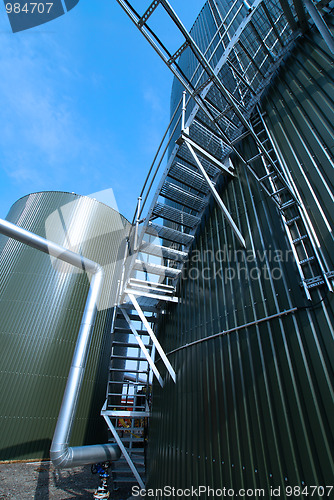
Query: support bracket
[[215, 194], [142, 346], [153, 337]]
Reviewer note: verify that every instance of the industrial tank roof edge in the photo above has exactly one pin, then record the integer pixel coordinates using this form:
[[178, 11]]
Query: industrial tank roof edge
[[68, 192]]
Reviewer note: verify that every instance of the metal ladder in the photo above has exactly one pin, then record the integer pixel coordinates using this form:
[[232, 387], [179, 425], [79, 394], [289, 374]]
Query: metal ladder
[[207, 127], [275, 179]]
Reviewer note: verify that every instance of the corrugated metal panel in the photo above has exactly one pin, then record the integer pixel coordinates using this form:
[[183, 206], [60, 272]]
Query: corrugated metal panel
[[254, 408], [41, 308]]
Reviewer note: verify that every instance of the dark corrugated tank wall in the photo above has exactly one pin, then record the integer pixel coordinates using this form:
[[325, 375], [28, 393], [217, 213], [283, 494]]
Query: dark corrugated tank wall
[[254, 408], [41, 306]]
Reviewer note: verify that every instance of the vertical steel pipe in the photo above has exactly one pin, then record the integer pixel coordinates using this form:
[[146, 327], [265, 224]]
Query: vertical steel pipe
[[61, 454]]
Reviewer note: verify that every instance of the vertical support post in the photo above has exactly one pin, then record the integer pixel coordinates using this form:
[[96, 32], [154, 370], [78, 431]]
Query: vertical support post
[[137, 223], [184, 109]]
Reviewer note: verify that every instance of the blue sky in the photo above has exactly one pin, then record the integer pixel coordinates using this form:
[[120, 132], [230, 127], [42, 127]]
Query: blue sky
[[84, 102]]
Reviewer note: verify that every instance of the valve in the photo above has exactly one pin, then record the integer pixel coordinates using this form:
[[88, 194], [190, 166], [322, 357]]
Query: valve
[[102, 491]]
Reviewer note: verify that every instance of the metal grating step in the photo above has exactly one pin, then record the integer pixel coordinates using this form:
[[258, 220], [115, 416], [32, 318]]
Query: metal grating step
[[174, 215], [126, 370], [127, 330], [132, 358], [165, 252], [132, 345], [156, 286], [133, 439], [163, 271], [126, 382], [170, 234], [206, 137], [185, 156], [148, 287], [136, 317], [150, 295], [120, 407], [175, 193], [144, 306], [126, 413], [188, 177]]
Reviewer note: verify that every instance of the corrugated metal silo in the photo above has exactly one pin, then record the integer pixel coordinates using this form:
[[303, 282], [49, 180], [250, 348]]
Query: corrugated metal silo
[[41, 306]]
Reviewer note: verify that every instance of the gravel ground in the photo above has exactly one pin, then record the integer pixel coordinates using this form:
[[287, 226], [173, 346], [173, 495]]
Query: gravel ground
[[41, 481]]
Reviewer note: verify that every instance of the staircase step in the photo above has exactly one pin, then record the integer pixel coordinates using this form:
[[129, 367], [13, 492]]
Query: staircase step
[[164, 271], [127, 330], [121, 407], [126, 382], [124, 413], [174, 215], [181, 196], [188, 177], [121, 394], [170, 234], [132, 345], [160, 287], [134, 440], [144, 306], [185, 157], [126, 370], [130, 358], [151, 295], [136, 317], [165, 252], [119, 428]]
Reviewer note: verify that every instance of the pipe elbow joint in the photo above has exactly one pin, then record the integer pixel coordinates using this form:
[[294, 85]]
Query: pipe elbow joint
[[67, 457]]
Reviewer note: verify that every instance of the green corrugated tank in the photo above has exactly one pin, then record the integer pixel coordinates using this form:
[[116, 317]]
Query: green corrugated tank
[[41, 306], [253, 408]]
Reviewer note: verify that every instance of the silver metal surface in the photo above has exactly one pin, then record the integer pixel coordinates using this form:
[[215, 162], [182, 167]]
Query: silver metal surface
[[61, 454]]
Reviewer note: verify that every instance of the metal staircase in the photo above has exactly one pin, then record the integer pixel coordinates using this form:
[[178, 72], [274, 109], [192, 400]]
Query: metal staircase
[[218, 109]]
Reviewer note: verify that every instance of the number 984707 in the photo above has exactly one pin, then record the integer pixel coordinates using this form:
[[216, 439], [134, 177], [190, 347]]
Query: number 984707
[[29, 8]]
